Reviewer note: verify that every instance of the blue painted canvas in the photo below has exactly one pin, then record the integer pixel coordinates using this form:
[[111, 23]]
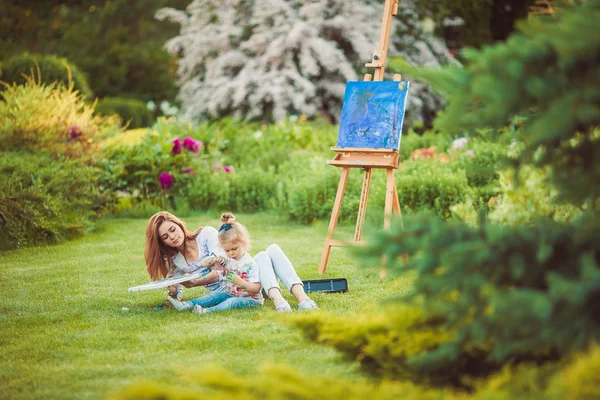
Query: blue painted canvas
[[372, 115]]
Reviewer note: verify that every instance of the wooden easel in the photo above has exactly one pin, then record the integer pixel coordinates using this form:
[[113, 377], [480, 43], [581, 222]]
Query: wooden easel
[[367, 159]]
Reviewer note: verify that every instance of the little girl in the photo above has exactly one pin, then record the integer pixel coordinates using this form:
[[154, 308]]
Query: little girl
[[242, 288]]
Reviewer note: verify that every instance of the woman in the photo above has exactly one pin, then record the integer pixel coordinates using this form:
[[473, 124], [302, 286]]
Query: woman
[[166, 235]]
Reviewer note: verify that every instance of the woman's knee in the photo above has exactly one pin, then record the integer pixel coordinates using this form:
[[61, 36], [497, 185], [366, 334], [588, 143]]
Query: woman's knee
[[274, 249]]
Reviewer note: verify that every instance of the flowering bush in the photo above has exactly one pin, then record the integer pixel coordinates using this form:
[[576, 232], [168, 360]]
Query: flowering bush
[[52, 119]]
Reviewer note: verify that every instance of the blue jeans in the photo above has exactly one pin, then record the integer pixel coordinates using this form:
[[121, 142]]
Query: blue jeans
[[220, 301]]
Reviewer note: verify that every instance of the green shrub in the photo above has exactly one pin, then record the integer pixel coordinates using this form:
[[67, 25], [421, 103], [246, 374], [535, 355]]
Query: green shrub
[[427, 186], [413, 141], [51, 69], [527, 196], [136, 170], [241, 190], [385, 344], [43, 201], [134, 113], [49, 119], [520, 293], [310, 186]]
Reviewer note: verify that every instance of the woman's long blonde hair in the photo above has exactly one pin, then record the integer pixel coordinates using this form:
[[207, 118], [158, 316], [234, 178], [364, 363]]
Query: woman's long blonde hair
[[156, 249]]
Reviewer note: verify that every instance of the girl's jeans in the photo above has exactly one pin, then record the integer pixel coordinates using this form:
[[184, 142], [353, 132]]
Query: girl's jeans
[[220, 301]]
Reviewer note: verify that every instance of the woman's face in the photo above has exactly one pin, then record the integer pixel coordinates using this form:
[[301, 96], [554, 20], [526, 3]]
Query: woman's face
[[171, 234]]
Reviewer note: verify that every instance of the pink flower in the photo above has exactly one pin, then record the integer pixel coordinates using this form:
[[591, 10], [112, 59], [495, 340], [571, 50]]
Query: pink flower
[[192, 145], [176, 146], [228, 168], [166, 180], [217, 167], [470, 153], [74, 132], [189, 171]]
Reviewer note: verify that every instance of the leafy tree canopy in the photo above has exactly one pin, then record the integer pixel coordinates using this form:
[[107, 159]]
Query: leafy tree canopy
[[117, 43]]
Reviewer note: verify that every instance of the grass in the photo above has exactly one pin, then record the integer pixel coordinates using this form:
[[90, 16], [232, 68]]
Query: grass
[[71, 330]]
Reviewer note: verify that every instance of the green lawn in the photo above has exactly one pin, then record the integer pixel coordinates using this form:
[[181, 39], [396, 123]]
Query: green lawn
[[65, 333]]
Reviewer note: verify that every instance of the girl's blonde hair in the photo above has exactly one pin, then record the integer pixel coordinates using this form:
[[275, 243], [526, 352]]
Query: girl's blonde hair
[[156, 249], [231, 231]]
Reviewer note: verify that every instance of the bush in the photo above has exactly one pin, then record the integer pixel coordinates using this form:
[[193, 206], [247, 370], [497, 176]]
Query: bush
[[428, 186], [519, 293], [157, 169], [310, 186], [134, 113], [43, 201], [50, 119], [52, 69], [413, 141], [247, 190]]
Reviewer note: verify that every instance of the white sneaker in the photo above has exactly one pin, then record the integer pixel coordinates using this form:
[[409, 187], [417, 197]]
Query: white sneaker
[[307, 304], [200, 310], [283, 307], [179, 305]]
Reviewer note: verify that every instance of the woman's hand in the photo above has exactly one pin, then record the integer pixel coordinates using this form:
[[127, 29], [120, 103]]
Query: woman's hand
[[205, 280], [172, 290], [213, 261]]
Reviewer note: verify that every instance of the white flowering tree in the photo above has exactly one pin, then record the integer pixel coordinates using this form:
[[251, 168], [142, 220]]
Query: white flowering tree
[[266, 59]]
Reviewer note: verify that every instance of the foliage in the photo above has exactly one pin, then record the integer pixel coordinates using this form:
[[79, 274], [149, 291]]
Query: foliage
[[133, 112], [484, 22], [248, 189], [51, 119], [117, 43], [266, 60], [413, 141], [574, 381], [48, 142], [136, 169], [43, 201], [430, 185], [384, 344], [50, 68], [549, 74], [517, 293], [527, 195], [310, 187], [252, 167]]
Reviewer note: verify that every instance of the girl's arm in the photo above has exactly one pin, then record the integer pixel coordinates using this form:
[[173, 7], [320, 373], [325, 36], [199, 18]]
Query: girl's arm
[[250, 287]]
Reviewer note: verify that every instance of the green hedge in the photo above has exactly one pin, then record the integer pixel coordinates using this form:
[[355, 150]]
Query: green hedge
[[131, 111], [51, 68], [43, 201]]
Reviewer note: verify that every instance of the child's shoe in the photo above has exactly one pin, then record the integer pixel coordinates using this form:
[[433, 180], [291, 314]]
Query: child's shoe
[[283, 307], [179, 305], [200, 310], [307, 304]]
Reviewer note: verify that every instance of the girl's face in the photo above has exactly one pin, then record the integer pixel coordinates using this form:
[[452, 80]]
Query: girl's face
[[171, 234], [234, 249]]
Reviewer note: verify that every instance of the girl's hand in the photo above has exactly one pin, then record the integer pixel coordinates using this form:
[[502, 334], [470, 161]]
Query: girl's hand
[[231, 277], [172, 290]]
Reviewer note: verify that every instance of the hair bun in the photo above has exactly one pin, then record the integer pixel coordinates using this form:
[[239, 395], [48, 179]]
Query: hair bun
[[227, 218]]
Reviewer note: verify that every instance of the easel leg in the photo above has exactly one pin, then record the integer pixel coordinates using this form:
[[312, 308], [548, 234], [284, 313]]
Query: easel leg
[[362, 208], [390, 196], [398, 211], [334, 218], [396, 205], [391, 203]]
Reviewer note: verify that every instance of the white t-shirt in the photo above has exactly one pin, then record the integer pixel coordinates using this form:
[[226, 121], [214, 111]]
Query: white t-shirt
[[208, 245]]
